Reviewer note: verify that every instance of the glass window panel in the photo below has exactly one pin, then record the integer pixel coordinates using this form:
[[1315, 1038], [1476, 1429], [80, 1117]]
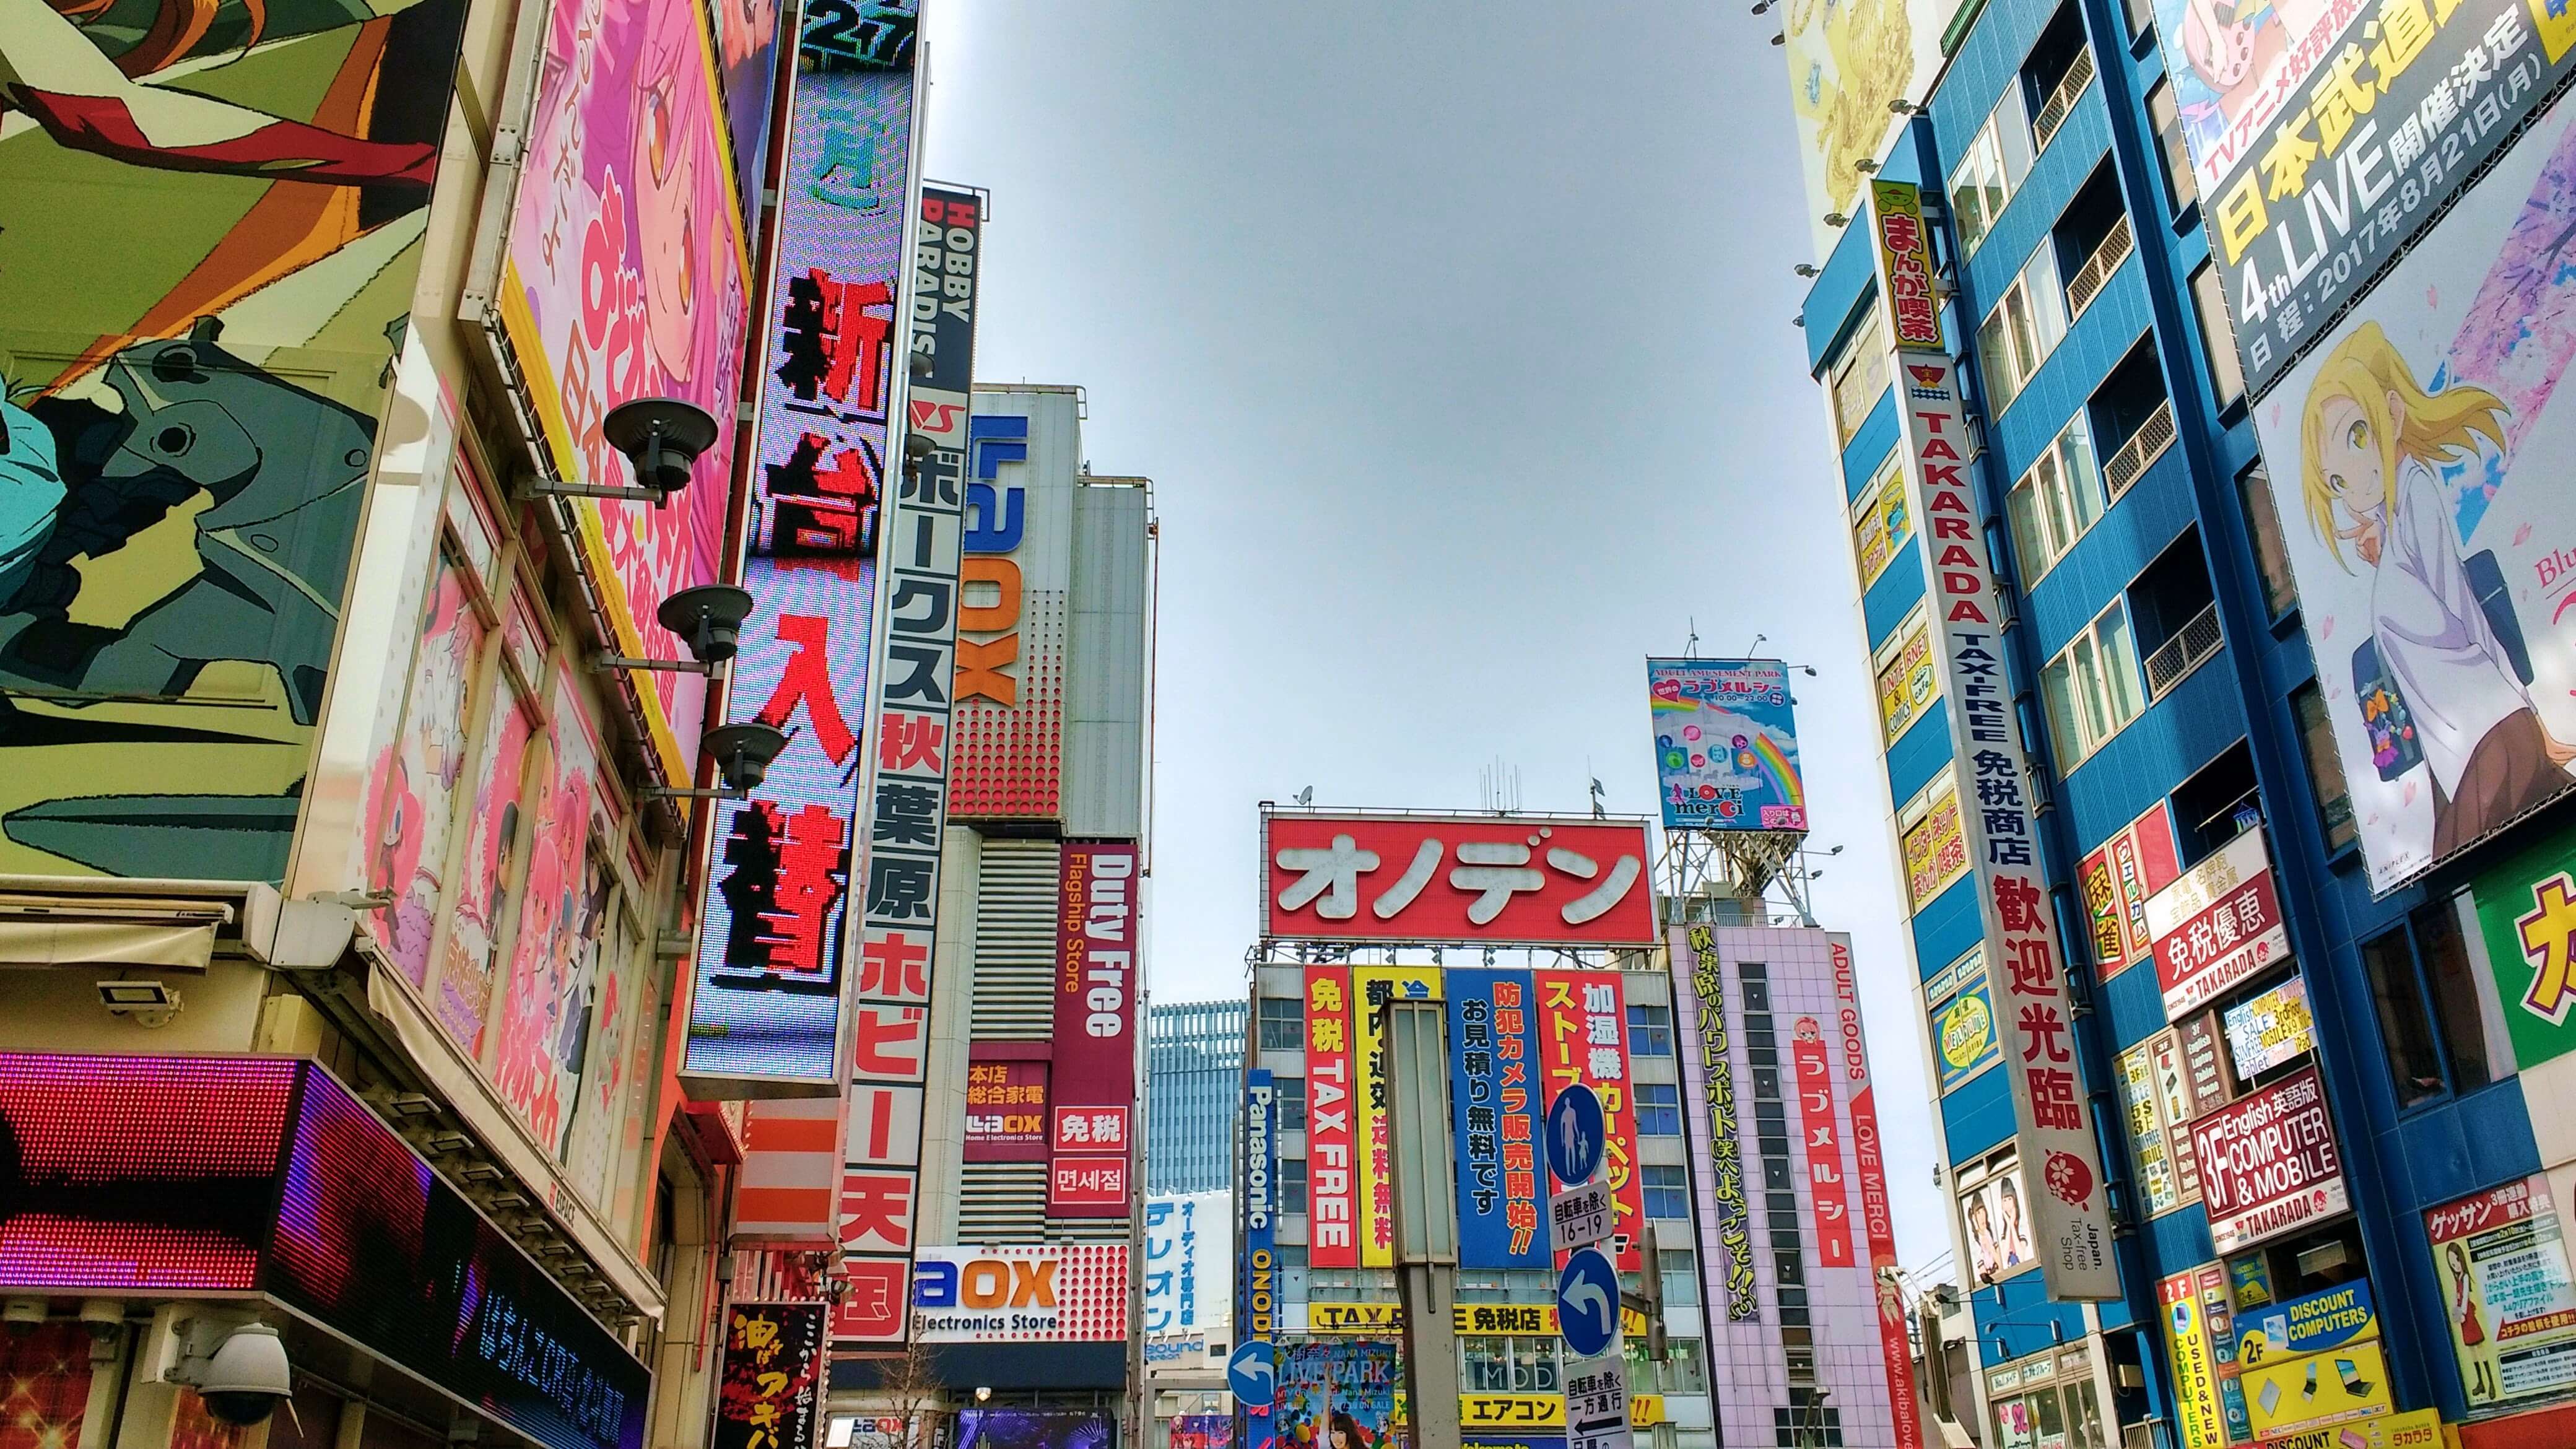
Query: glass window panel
[[2052, 491], [2325, 767], [2025, 338], [2088, 693], [2455, 994], [2119, 665], [2271, 554], [1994, 359], [2021, 506], [2217, 336], [2390, 964], [2059, 689], [2083, 473]]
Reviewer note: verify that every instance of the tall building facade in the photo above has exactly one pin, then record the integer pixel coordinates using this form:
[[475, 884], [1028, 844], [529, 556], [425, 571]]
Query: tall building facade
[[2172, 499], [1193, 1080]]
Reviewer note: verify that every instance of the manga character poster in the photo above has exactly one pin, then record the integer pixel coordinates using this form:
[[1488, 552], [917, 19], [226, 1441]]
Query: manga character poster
[[420, 782], [2419, 464], [624, 279], [211, 218], [1847, 60]]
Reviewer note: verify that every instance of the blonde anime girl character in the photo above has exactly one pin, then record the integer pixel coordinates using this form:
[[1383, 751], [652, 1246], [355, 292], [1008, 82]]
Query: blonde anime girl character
[[2373, 441]]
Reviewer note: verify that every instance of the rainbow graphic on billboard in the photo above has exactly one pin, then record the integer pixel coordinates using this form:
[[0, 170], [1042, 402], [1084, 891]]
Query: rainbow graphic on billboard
[[1726, 745]]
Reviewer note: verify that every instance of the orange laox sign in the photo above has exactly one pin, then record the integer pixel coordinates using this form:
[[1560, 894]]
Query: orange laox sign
[[2070, 1207]]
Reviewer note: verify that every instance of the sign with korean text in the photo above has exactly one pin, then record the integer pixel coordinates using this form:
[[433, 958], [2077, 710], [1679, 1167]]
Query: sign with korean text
[[1372, 987], [1717, 1161], [1596, 1403], [1094, 1071], [2526, 906], [2268, 1163], [2116, 878], [2070, 1207], [1964, 1041], [2501, 1258], [2327, 134], [2269, 1030], [1583, 1037], [1332, 1167], [2434, 582], [2217, 924], [2195, 1363], [1006, 1110], [1905, 264], [771, 1395], [1253, 1371], [1058, 1293], [1726, 747], [906, 782], [1472, 879], [1495, 1102]]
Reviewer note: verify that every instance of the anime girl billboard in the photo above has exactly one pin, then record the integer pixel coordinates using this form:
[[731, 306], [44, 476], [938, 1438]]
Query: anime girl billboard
[[2420, 467], [625, 279], [188, 416]]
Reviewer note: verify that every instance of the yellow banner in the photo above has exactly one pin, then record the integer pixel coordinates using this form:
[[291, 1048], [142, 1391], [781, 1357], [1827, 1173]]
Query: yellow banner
[[1371, 986], [1528, 1320], [1354, 1318], [2414, 1429], [2290, 1395], [1484, 1413]]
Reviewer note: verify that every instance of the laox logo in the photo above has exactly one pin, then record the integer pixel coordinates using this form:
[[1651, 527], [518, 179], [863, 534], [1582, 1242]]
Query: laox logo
[[983, 1283]]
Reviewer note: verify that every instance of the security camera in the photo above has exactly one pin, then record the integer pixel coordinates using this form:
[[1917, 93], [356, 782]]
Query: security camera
[[742, 753], [245, 1378], [103, 1317], [708, 619], [662, 437]]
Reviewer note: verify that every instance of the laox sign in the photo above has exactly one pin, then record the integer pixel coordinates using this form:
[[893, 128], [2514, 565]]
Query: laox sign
[[984, 1283]]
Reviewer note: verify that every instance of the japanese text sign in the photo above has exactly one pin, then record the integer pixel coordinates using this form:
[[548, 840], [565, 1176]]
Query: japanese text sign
[[1372, 987], [2501, 1258], [2271, 1029], [2070, 1206], [1726, 746], [1521, 880], [2217, 924], [1583, 1037], [2526, 905], [1332, 1171], [1006, 1110], [1095, 1030], [1495, 1101], [1708, 1079], [1905, 264], [2189, 1341], [2116, 878], [1870, 1197], [771, 1393], [1827, 1203], [2268, 1163], [1189, 1262]]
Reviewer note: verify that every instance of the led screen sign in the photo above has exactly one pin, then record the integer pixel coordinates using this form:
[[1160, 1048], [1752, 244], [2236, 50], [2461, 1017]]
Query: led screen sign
[[264, 1174]]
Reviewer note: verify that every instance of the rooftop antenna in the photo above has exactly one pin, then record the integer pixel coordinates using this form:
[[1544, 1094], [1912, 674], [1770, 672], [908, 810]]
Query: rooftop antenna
[[1500, 785], [1690, 650], [1305, 799], [1600, 811]]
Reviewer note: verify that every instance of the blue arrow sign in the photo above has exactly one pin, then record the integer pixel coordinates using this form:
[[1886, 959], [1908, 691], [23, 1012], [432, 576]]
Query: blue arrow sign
[[1250, 1373], [1574, 1134], [1587, 1303]]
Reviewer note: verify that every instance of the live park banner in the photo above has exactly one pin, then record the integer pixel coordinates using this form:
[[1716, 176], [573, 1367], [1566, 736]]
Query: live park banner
[[2325, 135], [2053, 1129]]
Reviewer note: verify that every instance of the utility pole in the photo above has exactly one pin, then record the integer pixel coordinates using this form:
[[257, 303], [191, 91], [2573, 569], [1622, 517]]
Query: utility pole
[[1420, 1159]]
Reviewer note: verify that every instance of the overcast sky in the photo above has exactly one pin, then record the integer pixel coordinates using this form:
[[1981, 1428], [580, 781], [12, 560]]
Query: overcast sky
[[1457, 340]]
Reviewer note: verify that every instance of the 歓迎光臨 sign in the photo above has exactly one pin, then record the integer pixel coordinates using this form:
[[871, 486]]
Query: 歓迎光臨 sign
[[2268, 1163]]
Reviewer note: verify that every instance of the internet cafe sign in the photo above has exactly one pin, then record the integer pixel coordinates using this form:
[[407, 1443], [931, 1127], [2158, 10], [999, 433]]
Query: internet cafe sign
[[2219, 923]]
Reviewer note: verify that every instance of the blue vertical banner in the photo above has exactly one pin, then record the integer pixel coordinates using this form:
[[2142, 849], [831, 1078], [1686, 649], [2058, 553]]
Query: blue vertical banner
[[1257, 1284], [1495, 1102]]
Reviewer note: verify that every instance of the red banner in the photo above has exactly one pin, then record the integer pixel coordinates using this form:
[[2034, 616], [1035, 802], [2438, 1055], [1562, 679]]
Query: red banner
[[1583, 1037], [1006, 1111], [1878, 1222], [1478, 879], [1332, 1176], [1093, 1078], [2268, 1163], [1822, 1145]]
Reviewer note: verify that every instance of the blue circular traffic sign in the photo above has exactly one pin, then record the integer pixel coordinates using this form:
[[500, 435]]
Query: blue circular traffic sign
[[1574, 1134], [1250, 1373], [1587, 1303]]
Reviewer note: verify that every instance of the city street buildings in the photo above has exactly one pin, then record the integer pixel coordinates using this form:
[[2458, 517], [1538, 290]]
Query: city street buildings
[[1193, 1085], [2222, 666]]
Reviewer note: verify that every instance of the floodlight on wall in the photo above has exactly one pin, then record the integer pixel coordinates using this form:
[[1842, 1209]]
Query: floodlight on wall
[[741, 753], [662, 438], [1805, 269], [708, 619]]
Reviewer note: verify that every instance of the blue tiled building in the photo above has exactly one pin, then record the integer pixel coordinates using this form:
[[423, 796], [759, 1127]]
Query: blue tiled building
[[2165, 682]]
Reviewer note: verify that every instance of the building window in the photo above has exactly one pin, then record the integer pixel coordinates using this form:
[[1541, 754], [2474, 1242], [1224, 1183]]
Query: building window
[[1667, 1192], [1681, 1276], [1997, 159], [2180, 187], [2325, 767], [1283, 1024], [2092, 687], [2023, 329], [1650, 1031], [1496, 1365], [1292, 1186], [2217, 337], [2425, 987], [1860, 377], [2271, 554], [2056, 501], [1292, 1102], [1659, 1108], [1292, 1273]]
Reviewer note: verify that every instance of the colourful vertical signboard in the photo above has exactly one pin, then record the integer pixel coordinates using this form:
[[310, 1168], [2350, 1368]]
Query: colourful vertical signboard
[[1094, 1073], [1726, 747], [1332, 1169], [1496, 1100], [907, 780], [1905, 259], [1999, 843], [1583, 1037], [1869, 1194], [1717, 1166], [771, 1395], [1372, 987], [1257, 1296]]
